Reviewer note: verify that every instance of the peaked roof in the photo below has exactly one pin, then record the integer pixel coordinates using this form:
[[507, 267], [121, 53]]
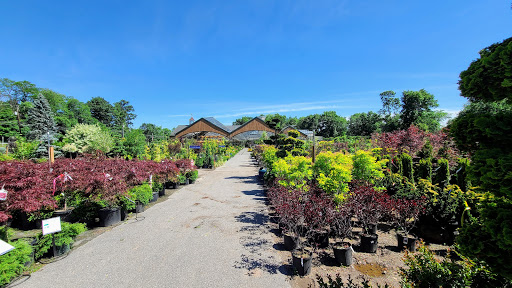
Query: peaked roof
[[230, 130], [216, 123]]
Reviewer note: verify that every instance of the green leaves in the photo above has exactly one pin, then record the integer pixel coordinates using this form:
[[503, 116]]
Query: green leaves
[[89, 138], [488, 78]]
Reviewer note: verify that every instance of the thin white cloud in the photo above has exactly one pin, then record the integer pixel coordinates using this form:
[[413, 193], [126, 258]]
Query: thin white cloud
[[178, 115], [283, 110]]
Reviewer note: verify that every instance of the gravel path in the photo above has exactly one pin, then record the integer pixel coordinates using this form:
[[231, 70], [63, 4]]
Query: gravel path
[[210, 234]]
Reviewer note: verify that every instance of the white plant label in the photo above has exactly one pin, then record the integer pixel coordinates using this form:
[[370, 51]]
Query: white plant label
[[51, 225], [3, 194], [5, 247]]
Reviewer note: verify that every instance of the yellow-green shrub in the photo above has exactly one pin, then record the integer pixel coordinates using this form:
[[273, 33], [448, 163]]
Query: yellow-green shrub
[[333, 172], [294, 171], [366, 168]]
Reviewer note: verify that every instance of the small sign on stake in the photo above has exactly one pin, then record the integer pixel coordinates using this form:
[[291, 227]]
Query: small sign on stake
[[51, 225], [3, 194], [5, 247]]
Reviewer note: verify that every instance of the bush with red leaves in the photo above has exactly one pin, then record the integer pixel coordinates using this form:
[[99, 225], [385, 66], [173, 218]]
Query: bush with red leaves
[[369, 205]]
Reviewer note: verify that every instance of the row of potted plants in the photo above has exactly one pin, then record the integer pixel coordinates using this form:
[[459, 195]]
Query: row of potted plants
[[310, 217], [35, 190]]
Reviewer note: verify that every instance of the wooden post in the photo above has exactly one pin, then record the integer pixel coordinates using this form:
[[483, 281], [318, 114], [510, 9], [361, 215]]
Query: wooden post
[[51, 154], [314, 157]]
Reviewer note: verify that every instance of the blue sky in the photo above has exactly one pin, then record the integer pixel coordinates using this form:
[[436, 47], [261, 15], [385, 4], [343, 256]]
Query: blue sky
[[227, 59]]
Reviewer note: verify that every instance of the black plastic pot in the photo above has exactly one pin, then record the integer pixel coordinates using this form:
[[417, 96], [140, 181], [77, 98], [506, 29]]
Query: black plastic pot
[[369, 243], [343, 253], [404, 241], [289, 242], [175, 185], [109, 216], [191, 181], [20, 221], [372, 229], [161, 193], [186, 182], [168, 185], [65, 215], [301, 261], [57, 251], [155, 197], [139, 207], [262, 172], [124, 214], [320, 239]]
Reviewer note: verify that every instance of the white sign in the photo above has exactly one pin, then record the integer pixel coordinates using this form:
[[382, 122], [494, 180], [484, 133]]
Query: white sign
[[51, 225], [5, 247]]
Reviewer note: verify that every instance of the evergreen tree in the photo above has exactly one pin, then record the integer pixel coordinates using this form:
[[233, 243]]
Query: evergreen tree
[[40, 119]]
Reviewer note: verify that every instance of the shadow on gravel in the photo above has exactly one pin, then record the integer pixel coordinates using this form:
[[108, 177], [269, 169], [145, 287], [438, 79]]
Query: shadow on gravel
[[257, 259], [258, 195], [257, 218], [247, 179]]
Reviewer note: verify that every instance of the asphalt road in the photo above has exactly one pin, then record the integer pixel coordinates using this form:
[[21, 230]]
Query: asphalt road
[[209, 234]]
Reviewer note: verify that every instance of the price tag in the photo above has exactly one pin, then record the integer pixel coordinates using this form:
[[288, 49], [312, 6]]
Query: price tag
[[5, 247], [3, 194], [51, 225]]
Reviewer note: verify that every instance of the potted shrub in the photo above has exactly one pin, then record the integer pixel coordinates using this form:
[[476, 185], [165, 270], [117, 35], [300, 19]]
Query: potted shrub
[[290, 209], [290, 206], [405, 213], [182, 180], [141, 195], [192, 176], [199, 161], [369, 206], [109, 214], [159, 187], [63, 240], [15, 261], [318, 214], [342, 226], [185, 166]]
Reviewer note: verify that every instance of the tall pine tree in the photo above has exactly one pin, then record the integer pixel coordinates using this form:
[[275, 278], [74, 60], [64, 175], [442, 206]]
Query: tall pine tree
[[40, 119]]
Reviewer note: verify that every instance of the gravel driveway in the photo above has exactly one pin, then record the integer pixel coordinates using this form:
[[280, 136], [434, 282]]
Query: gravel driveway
[[210, 234]]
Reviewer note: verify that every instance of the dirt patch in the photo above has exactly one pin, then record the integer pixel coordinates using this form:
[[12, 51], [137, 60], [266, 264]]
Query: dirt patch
[[371, 269], [195, 204]]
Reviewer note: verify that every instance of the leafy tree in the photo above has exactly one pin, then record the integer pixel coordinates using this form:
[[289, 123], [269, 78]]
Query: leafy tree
[[135, 143], [390, 103], [327, 125], [242, 121], [489, 78], [123, 115], [101, 110], [79, 111], [59, 109], [88, 139], [292, 121], [417, 110], [154, 133], [8, 125], [364, 124], [276, 121], [390, 111], [16, 93], [40, 119], [483, 129]]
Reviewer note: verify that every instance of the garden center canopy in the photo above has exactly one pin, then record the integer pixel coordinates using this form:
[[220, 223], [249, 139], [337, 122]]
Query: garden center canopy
[[212, 125]]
